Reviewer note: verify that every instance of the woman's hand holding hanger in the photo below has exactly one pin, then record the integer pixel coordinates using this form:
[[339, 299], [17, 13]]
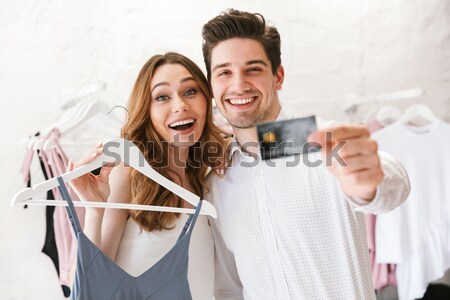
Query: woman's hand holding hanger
[[90, 187]]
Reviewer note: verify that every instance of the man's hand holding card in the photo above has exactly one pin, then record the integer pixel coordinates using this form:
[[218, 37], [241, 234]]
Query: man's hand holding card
[[348, 151], [351, 155]]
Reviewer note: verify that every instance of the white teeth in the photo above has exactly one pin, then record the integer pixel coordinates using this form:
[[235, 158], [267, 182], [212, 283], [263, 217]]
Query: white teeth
[[241, 101], [181, 122]]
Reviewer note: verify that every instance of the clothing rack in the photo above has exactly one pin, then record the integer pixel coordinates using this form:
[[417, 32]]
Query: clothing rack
[[353, 102], [88, 90]]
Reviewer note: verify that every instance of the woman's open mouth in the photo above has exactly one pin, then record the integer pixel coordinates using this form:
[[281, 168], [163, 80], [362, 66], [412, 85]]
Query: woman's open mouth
[[182, 125]]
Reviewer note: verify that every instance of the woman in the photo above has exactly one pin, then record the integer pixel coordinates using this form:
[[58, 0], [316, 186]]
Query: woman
[[170, 120]]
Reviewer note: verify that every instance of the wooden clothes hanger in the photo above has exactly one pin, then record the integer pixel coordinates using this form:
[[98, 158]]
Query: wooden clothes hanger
[[115, 151]]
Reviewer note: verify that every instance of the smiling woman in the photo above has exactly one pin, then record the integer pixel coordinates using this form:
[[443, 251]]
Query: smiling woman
[[178, 105], [169, 89], [170, 120]]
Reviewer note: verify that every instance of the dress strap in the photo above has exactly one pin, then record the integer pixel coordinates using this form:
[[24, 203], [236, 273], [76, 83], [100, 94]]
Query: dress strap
[[72, 214], [190, 223]]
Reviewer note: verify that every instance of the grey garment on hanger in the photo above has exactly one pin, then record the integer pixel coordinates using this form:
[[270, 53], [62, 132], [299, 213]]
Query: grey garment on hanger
[[99, 278], [387, 293]]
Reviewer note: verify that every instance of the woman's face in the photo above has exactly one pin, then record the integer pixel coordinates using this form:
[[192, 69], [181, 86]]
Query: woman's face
[[177, 107]]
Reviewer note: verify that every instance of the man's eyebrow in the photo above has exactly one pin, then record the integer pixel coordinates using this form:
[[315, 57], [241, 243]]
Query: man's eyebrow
[[166, 83], [221, 66], [250, 62], [257, 61]]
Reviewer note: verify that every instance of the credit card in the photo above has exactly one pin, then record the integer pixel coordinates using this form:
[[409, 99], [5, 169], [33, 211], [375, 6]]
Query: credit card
[[286, 138]]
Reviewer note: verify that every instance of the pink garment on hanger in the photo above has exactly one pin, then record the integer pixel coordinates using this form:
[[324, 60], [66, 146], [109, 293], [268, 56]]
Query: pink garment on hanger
[[25, 169], [66, 241], [26, 164], [45, 159], [382, 274]]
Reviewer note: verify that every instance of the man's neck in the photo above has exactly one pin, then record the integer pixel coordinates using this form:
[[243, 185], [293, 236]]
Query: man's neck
[[248, 137]]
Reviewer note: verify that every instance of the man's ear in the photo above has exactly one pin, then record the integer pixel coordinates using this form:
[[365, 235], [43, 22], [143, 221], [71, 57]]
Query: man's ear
[[279, 77]]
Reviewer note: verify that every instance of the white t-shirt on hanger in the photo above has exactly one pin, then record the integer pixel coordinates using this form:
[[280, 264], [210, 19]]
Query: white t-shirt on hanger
[[416, 235]]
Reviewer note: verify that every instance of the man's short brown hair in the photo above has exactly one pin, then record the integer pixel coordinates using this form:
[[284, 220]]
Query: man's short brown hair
[[238, 24]]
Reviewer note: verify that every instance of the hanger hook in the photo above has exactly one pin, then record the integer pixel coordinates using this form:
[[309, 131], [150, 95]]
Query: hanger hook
[[115, 106]]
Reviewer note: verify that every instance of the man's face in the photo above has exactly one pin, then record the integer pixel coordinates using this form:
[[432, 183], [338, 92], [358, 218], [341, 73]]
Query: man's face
[[244, 87]]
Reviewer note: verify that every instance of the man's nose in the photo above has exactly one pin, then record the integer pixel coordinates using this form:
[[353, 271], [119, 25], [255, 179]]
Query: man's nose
[[240, 82]]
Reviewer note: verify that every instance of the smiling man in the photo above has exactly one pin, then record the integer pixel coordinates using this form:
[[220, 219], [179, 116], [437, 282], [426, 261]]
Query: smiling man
[[288, 232], [244, 110]]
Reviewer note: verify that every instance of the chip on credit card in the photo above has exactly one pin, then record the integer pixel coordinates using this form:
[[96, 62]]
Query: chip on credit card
[[287, 137]]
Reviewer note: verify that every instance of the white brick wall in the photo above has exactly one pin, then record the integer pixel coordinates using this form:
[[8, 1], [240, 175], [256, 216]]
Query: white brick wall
[[330, 49]]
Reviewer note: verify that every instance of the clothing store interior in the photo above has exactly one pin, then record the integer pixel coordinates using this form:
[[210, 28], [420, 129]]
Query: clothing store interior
[[72, 100]]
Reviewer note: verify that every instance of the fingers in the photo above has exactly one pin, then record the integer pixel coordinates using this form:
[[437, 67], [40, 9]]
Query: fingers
[[104, 173], [76, 181], [342, 142], [70, 166], [357, 163], [220, 167], [334, 135], [223, 161], [358, 146], [92, 154], [352, 156]]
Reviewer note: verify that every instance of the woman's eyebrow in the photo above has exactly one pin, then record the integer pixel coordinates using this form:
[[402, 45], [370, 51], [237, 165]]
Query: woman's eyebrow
[[159, 84], [166, 83], [187, 79]]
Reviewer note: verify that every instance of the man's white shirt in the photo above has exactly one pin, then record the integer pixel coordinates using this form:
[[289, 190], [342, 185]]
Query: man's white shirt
[[287, 232]]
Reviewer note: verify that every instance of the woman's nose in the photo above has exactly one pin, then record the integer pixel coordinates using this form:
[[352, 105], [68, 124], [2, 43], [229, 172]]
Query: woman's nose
[[179, 105]]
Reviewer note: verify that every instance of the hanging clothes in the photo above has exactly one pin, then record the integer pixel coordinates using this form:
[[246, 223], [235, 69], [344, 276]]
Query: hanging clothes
[[416, 235], [49, 247], [60, 243], [383, 275], [98, 277], [66, 241]]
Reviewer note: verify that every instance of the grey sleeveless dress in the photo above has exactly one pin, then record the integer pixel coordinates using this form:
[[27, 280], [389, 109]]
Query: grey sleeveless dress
[[99, 278]]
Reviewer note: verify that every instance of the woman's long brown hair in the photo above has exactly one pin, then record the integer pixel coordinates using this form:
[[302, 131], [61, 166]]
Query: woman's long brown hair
[[139, 130]]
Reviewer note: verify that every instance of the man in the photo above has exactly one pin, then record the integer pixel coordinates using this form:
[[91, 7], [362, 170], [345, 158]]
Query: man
[[288, 232]]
